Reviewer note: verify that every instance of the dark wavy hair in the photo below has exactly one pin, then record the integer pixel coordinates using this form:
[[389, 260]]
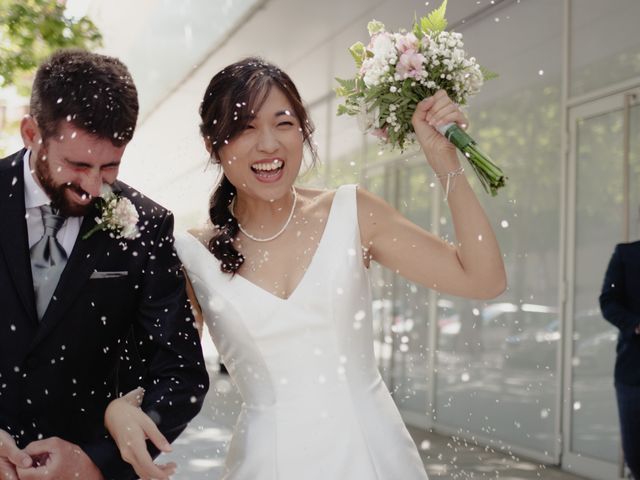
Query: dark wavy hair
[[94, 92], [227, 108]]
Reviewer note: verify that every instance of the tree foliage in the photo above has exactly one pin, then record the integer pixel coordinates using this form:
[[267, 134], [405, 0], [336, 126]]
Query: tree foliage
[[30, 30]]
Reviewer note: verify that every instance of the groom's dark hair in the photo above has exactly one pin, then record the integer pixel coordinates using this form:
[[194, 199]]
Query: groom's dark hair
[[93, 92]]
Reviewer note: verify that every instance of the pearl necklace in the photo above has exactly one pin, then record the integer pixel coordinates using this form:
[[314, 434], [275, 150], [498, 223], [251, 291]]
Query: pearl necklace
[[276, 235]]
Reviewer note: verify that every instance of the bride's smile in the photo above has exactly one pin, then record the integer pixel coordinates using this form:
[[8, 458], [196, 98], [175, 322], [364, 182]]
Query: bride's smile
[[269, 170], [263, 159]]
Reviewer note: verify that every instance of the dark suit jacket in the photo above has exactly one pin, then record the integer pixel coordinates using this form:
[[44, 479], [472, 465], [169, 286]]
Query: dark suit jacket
[[620, 305], [58, 375]]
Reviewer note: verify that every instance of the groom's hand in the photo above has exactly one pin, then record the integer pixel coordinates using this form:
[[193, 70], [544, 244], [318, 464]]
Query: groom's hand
[[11, 457], [54, 458]]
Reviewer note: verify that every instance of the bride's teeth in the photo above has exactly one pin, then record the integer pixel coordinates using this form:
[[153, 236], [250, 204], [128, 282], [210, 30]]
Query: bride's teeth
[[267, 167]]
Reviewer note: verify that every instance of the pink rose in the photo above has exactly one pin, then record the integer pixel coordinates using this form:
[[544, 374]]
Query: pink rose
[[381, 133], [406, 42], [410, 65]]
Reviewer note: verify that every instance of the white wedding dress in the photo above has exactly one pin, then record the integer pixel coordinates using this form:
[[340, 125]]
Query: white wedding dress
[[315, 406]]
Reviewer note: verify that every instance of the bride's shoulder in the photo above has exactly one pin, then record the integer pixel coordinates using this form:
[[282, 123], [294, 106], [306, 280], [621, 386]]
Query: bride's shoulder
[[315, 198], [202, 233]]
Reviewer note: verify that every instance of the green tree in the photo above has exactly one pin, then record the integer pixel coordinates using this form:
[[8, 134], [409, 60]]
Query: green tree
[[30, 30]]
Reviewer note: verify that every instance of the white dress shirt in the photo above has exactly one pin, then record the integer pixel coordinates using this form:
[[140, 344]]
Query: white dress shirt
[[34, 198]]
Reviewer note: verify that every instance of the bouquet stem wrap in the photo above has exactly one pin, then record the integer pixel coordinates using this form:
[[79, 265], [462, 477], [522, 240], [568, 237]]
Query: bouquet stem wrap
[[490, 175]]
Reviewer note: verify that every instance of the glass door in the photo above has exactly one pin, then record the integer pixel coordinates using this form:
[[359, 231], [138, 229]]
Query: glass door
[[381, 180], [402, 309], [604, 205]]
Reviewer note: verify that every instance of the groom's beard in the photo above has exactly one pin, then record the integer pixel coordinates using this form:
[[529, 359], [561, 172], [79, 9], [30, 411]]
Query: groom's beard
[[58, 192]]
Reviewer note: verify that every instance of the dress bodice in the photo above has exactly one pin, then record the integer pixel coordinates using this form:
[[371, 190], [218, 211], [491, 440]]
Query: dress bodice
[[305, 367]]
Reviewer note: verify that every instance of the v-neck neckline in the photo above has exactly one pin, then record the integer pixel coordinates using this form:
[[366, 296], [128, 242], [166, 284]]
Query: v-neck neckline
[[309, 266]]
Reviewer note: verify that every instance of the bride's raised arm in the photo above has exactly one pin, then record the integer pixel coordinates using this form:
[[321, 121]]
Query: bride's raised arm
[[473, 267]]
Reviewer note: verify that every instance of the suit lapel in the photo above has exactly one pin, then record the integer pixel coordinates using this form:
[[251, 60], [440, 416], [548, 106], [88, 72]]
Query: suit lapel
[[76, 273], [14, 239]]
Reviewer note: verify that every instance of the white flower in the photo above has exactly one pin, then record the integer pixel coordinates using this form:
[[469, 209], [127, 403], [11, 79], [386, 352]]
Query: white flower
[[374, 69], [126, 218], [117, 215], [129, 232], [382, 46]]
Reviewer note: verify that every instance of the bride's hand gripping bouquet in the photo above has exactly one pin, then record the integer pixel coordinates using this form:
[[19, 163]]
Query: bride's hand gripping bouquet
[[397, 70]]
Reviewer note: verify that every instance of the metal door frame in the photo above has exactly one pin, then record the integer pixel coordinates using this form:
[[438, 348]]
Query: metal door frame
[[615, 99]]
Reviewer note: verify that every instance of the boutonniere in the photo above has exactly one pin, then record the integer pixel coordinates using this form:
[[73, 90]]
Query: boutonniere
[[118, 216]]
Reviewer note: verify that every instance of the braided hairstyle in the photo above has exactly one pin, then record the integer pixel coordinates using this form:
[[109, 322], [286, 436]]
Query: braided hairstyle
[[231, 98]]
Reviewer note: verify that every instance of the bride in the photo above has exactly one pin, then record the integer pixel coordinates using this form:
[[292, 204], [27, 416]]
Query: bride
[[282, 282]]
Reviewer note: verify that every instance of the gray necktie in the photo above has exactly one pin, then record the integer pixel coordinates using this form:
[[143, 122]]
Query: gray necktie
[[48, 259]]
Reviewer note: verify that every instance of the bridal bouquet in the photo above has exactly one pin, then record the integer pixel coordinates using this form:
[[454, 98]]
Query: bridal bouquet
[[398, 70]]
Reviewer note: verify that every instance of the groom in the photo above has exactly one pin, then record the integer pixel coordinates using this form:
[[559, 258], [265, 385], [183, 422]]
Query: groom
[[69, 301]]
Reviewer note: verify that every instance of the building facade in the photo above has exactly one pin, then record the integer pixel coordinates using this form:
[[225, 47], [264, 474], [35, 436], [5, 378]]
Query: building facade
[[531, 371]]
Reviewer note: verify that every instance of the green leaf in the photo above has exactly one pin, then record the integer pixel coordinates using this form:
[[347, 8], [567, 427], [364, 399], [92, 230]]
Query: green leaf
[[346, 87], [374, 26], [417, 31], [32, 30], [488, 74], [342, 109], [359, 52], [435, 22]]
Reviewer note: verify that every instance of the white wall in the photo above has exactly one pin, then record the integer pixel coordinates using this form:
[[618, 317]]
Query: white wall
[[309, 39]]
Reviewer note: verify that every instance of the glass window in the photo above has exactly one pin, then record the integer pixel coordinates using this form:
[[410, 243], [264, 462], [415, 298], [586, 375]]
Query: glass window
[[497, 370], [410, 321], [599, 226], [610, 56]]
